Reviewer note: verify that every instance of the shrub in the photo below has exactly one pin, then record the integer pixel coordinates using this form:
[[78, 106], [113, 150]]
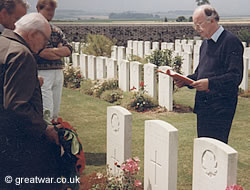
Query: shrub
[[72, 77], [141, 102], [244, 36], [98, 45], [165, 58], [96, 88], [112, 96]]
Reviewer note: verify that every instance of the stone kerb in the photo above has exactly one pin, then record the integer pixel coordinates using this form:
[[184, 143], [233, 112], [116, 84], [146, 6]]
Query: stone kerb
[[214, 165], [160, 155], [165, 89], [119, 136]]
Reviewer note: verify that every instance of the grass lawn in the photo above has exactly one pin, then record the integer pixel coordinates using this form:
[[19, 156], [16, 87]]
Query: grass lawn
[[88, 116]]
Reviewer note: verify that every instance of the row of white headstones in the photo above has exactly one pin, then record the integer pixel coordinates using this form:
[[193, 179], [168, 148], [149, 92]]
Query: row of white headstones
[[129, 73], [102, 67], [214, 162]]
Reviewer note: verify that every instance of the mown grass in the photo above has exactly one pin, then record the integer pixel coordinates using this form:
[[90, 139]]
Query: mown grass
[[88, 116]]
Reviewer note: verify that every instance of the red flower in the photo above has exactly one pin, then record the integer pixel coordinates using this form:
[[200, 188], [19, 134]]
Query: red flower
[[141, 84], [132, 88], [234, 187]]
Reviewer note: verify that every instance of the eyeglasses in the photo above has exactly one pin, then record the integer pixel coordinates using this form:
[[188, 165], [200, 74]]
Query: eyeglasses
[[199, 26]]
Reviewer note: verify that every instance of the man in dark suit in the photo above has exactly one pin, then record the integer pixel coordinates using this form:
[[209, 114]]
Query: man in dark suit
[[217, 76], [10, 12], [27, 144]]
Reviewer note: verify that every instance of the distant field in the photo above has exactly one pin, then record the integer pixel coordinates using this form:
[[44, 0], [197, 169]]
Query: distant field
[[108, 21]]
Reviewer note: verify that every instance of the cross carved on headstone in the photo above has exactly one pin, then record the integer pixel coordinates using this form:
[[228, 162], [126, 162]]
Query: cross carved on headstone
[[115, 161], [156, 164]]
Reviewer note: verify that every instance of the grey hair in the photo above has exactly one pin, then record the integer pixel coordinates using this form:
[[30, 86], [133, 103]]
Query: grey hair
[[210, 12], [10, 5], [32, 22]]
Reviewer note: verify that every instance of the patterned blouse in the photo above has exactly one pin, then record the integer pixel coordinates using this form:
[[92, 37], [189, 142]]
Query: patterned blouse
[[57, 37]]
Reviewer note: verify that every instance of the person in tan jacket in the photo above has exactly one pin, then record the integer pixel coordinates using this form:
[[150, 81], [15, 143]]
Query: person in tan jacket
[[27, 144]]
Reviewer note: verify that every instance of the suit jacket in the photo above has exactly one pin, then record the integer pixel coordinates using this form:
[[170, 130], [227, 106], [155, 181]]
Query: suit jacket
[[20, 93], [222, 63]]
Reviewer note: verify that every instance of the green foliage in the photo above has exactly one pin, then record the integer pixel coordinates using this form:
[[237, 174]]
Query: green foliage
[[244, 36], [98, 45], [202, 2], [72, 77], [165, 58], [112, 96], [181, 19]]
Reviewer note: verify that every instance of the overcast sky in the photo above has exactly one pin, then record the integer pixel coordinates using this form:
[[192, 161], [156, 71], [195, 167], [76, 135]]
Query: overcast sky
[[222, 6]]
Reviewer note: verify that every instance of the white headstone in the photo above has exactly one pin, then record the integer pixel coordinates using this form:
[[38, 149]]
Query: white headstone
[[119, 136], [135, 48], [77, 47], [130, 44], [129, 53], [247, 54], [198, 42], [141, 49], [244, 82], [92, 67], [170, 46], [124, 75], [147, 48], [84, 65], [75, 59], [121, 53], [114, 52], [155, 46], [214, 165], [187, 63], [66, 60], [111, 68], [101, 69], [184, 41], [196, 56], [244, 44], [165, 89], [160, 160], [150, 83], [135, 74], [164, 45], [187, 48]]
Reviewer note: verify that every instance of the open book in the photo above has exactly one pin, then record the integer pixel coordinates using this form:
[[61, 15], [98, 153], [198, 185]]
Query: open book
[[177, 76]]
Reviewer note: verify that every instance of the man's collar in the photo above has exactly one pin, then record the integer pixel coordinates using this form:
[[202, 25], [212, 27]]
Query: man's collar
[[217, 34]]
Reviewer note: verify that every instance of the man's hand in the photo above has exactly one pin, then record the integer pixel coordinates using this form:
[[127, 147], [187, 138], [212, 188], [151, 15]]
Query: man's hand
[[179, 83], [51, 133], [200, 85]]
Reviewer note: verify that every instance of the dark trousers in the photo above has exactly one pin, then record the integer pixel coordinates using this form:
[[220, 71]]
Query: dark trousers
[[213, 126]]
